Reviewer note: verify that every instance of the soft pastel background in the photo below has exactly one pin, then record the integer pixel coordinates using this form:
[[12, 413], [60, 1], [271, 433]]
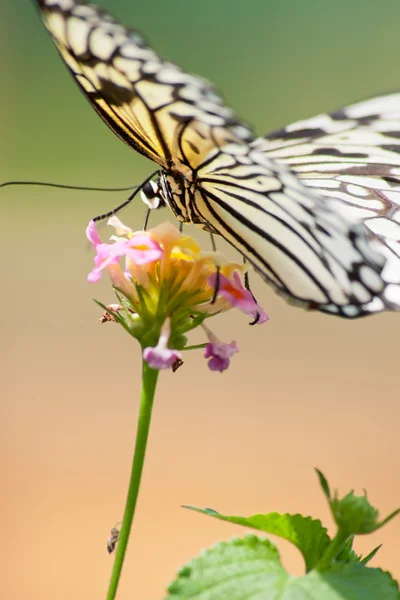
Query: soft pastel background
[[306, 390]]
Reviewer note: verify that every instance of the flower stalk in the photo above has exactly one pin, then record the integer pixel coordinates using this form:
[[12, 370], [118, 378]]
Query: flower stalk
[[332, 551], [149, 382], [166, 287]]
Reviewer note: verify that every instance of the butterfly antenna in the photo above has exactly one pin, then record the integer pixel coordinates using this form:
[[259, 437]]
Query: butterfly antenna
[[131, 197], [68, 187]]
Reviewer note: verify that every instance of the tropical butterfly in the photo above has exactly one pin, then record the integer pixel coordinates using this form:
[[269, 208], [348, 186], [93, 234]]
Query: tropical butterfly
[[314, 207]]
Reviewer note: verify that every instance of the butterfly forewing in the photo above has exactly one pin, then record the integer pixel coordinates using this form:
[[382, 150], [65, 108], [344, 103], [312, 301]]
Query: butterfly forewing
[[151, 104]]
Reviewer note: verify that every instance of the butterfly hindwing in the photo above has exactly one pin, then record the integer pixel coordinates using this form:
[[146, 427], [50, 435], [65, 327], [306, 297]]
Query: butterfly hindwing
[[352, 157], [292, 236]]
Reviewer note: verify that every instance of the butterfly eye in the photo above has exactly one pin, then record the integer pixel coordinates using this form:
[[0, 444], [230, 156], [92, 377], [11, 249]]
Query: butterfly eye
[[150, 195], [150, 190]]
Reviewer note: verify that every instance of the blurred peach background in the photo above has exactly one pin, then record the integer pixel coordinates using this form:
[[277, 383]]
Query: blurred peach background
[[306, 390]]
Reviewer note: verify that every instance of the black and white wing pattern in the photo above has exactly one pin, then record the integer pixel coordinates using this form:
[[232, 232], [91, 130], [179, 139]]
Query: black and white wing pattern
[[151, 104], [352, 157], [213, 173], [293, 237]]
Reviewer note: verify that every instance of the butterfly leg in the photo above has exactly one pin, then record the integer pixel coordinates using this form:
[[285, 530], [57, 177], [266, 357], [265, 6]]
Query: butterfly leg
[[248, 288], [217, 279]]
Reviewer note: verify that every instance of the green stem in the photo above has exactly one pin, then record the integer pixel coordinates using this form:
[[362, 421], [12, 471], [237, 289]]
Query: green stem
[[195, 347], [149, 381], [333, 550]]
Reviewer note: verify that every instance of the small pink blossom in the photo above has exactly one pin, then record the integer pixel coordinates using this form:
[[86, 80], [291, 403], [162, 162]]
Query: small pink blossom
[[160, 356], [219, 354], [238, 296], [140, 249], [217, 351]]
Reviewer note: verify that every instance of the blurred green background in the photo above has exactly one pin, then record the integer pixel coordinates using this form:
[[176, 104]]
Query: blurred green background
[[306, 390]]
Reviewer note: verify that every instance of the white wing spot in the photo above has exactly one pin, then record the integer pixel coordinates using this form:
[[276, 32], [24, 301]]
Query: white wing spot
[[375, 305], [172, 75], [64, 4], [153, 96], [371, 279], [385, 227], [101, 44], [83, 10], [150, 67], [351, 310], [77, 33], [392, 293], [361, 292], [391, 270], [357, 190], [130, 68], [57, 24], [382, 104]]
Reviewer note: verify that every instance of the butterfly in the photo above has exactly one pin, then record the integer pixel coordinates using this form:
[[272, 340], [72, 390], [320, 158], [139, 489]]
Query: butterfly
[[314, 207]]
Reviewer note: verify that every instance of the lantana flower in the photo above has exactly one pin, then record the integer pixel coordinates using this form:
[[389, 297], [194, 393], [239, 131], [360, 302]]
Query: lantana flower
[[166, 286]]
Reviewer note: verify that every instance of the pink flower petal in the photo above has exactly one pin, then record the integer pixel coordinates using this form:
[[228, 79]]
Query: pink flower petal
[[160, 358], [141, 249], [238, 296], [107, 254], [92, 234]]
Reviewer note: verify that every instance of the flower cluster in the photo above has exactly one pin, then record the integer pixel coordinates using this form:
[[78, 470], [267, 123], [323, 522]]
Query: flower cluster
[[166, 288]]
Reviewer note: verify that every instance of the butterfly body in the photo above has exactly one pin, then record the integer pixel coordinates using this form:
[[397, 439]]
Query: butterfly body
[[286, 202]]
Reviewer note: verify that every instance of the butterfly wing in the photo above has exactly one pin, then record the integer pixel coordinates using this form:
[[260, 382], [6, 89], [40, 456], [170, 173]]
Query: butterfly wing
[[291, 235], [294, 237], [351, 156], [151, 104]]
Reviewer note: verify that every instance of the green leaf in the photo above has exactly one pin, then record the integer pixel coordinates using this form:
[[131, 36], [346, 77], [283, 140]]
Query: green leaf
[[351, 582], [389, 518], [307, 534], [250, 569], [231, 571], [324, 484], [371, 555]]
